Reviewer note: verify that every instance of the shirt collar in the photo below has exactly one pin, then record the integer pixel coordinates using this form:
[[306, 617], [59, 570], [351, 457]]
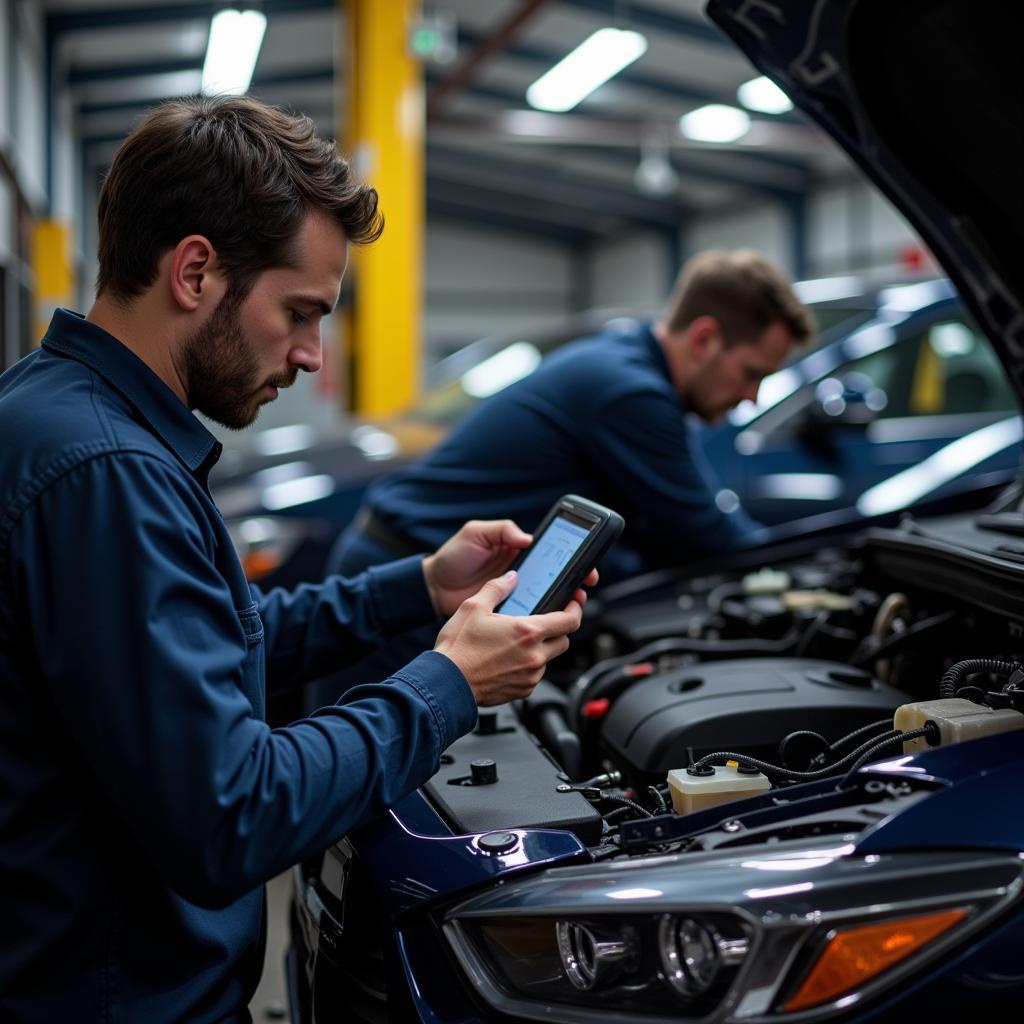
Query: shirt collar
[[657, 352], [71, 335]]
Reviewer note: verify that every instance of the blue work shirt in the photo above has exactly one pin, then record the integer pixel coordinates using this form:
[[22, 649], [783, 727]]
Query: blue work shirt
[[143, 800], [599, 417]]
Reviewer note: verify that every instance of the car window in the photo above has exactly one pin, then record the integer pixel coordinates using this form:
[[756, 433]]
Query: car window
[[948, 369]]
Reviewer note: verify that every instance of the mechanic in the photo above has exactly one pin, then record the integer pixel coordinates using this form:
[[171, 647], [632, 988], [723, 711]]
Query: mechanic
[[605, 417], [143, 800]]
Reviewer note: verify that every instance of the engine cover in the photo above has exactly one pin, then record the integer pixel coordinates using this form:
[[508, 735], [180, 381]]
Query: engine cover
[[745, 705]]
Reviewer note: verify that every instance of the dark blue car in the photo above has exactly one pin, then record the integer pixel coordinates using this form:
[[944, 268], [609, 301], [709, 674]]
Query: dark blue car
[[860, 427], [911, 404], [785, 787]]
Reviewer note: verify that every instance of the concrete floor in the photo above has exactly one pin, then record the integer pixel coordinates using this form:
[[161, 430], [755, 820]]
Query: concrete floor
[[270, 1003]]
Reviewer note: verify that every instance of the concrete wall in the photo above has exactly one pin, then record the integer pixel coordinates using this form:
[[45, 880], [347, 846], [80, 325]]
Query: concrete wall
[[850, 226], [853, 227], [762, 226], [481, 282], [633, 273]]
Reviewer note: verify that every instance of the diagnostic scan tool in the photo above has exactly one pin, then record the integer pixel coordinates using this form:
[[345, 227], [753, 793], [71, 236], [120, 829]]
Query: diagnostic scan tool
[[566, 546]]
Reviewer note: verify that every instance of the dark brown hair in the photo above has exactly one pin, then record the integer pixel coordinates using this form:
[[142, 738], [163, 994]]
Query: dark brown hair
[[743, 291], [241, 173]]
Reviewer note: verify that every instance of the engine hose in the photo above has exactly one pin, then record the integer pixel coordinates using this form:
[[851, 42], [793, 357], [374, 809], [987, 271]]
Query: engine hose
[[580, 691], [955, 674]]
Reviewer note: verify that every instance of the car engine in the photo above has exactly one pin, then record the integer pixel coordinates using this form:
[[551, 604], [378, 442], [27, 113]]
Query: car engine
[[703, 689]]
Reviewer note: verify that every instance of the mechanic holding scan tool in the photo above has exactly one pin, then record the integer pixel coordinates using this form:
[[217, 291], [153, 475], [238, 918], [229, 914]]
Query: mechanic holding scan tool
[[143, 800], [606, 418]]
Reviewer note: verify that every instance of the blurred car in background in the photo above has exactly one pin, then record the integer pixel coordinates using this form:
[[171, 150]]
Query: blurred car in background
[[901, 402]]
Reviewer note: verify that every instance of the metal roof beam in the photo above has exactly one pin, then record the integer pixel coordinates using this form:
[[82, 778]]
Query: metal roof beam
[[703, 32], [59, 23], [630, 76]]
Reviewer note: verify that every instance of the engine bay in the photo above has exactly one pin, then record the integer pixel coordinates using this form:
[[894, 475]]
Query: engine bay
[[696, 691]]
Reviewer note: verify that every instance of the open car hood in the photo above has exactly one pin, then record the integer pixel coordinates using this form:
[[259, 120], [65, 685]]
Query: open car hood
[[925, 96]]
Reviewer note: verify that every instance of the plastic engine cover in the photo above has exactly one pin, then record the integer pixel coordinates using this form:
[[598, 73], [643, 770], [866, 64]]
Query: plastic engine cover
[[747, 706]]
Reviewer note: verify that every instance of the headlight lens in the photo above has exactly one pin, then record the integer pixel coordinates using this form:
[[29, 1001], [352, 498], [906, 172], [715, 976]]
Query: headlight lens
[[592, 960], [607, 962], [693, 954], [748, 938]]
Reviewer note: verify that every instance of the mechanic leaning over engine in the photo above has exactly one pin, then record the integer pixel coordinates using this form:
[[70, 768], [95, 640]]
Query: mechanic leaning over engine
[[605, 417], [143, 799]]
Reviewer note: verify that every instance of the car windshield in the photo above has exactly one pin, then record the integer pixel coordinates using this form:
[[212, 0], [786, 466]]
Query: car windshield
[[499, 364]]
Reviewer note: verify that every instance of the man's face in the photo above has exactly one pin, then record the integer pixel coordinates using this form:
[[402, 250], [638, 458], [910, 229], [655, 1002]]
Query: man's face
[[727, 376], [247, 350]]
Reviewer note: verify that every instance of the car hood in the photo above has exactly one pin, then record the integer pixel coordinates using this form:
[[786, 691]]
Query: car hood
[[924, 96]]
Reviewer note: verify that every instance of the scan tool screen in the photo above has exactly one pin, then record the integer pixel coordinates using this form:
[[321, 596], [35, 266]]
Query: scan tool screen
[[547, 558]]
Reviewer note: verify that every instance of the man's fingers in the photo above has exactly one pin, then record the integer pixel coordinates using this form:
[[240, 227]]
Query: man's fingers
[[511, 535], [493, 592], [552, 624]]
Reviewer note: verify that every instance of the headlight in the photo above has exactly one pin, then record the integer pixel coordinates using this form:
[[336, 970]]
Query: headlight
[[740, 937]]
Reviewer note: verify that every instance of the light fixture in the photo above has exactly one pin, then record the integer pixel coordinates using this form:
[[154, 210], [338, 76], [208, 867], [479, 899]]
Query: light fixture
[[234, 45], [598, 58], [715, 123], [763, 95], [655, 175]]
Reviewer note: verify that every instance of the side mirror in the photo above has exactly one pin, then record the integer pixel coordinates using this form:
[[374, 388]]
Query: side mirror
[[850, 401]]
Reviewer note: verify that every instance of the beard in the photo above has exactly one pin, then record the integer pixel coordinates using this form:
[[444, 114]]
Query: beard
[[221, 370]]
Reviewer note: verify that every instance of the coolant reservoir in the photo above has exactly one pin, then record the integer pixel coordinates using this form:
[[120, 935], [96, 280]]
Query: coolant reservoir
[[957, 720], [727, 782]]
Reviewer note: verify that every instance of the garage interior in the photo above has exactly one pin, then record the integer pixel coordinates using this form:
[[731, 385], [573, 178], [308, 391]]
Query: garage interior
[[505, 218]]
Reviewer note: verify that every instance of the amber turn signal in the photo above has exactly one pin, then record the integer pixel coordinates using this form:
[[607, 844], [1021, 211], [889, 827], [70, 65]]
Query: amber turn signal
[[854, 956]]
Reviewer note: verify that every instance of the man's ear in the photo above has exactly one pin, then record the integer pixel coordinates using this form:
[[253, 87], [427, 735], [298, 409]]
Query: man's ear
[[703, 339], [196, 279]]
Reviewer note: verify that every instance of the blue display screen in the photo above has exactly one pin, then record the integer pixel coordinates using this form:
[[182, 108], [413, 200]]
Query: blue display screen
[[541, 567]]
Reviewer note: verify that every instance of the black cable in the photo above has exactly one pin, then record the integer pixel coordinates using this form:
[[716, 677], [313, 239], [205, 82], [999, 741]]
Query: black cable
[[809, 633], [971, 666], [872, 647], [843, 740], [881, 745], [785, 773], [627, 803], [721, 593], [658, 798]]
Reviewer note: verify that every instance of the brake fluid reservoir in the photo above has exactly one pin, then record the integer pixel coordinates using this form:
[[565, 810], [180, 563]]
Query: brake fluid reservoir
[[725, 783], [957, 720]]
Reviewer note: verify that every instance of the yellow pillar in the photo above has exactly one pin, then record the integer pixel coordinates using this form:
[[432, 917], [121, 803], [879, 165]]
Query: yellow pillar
[[383, 136], [53, 271]]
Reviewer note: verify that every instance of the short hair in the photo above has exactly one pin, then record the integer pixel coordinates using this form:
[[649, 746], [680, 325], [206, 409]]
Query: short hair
[[235, 170], [745, 292]]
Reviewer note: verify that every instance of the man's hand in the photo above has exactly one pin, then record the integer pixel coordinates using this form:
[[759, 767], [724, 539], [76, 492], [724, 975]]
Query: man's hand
[[504, 656], [477, 553]]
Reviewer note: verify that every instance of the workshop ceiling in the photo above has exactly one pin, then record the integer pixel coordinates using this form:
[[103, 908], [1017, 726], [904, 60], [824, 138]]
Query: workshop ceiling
[[491, 160]]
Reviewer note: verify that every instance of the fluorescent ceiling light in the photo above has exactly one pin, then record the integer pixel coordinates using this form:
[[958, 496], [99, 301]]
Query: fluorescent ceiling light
[[715, 123], [590, 65], [235, 38], [763, 95]]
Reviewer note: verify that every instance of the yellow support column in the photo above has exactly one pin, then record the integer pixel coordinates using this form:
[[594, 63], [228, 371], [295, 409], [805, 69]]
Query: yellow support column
[[53, 271], [383, 135]]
